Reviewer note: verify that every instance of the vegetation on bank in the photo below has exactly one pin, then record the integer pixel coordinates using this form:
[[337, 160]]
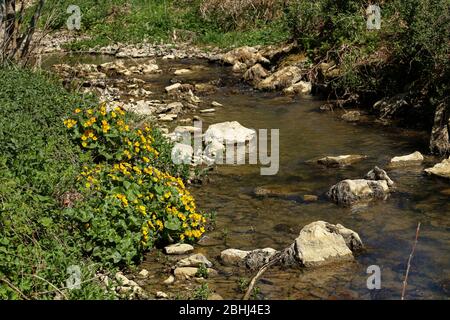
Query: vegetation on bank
[[197, 21], [80, 187], [408, 55]]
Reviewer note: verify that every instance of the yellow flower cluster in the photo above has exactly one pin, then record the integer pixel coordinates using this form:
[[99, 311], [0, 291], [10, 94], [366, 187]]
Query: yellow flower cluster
[[70, 123], [90, 122], [158, 200], [88, 175], [122, 198]]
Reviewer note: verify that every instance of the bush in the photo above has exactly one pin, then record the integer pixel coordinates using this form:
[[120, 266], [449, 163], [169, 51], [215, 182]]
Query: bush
[[130, 204], [409, 54]]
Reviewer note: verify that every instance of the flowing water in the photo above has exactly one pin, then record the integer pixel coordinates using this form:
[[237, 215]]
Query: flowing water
[[244, 221]]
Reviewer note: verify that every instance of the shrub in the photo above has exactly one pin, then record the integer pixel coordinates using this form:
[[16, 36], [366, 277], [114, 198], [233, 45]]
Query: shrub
[[130, 204]]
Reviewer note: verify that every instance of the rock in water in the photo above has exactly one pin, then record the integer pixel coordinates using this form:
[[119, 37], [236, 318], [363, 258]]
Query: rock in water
[[229, 132], [322, 242], [413, 158], [233, 256], [185, 272], [169, 280], [256, 258], [196, 260], [379, 174], [340, 161], [301, 87], [161, 295], [178, 248], [351, 116], [441, 169], [281, 79], [179, 72], [255, 74], [318, 243], [375, 185], [173, 87], [246, 55], [252, 259]]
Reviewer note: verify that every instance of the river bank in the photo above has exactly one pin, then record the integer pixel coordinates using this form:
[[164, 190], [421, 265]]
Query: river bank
[[362, 115], [300, 120]]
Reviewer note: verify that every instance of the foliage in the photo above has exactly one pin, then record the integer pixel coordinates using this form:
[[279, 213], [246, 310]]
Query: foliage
[[130, 204], [38, 165], [202, 271], [202, 292], [94, 196], [409, 54], [158, 20]]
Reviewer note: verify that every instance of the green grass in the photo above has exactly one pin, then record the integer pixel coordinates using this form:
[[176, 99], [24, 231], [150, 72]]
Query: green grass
[[37, 165], [154, 20]]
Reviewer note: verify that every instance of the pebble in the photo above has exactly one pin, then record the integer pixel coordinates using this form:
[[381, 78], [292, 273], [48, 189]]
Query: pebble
[[161, 295], [216, 104], [208, 110], [144, 273], [178, 248], [310, 198], [196, 260], [169, 280]]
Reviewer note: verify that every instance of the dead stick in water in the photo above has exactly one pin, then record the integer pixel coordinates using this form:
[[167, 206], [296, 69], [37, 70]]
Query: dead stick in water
[[263, 269], [409, 262]]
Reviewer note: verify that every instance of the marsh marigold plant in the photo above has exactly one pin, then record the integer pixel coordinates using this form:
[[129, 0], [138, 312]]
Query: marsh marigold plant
[[129, 203]]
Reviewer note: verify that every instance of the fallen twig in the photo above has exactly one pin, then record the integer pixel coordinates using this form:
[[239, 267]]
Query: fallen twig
[[14, 288], [263, 269], [409, 262]]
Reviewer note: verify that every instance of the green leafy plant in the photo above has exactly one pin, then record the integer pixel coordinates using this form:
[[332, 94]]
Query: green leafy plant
[[130, 204], [202, 292], [202, 272]]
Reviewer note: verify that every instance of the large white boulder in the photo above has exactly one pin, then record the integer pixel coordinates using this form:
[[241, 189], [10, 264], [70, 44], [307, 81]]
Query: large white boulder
[[231, 132], [321, 242]]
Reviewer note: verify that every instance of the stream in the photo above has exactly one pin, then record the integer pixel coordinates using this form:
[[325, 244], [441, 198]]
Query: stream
[[245, 221]]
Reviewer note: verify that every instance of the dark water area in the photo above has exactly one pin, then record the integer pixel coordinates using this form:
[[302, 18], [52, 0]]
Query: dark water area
[[244, 221]]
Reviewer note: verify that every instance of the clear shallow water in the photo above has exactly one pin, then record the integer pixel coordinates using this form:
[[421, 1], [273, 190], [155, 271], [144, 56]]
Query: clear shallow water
[[387, 228]]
